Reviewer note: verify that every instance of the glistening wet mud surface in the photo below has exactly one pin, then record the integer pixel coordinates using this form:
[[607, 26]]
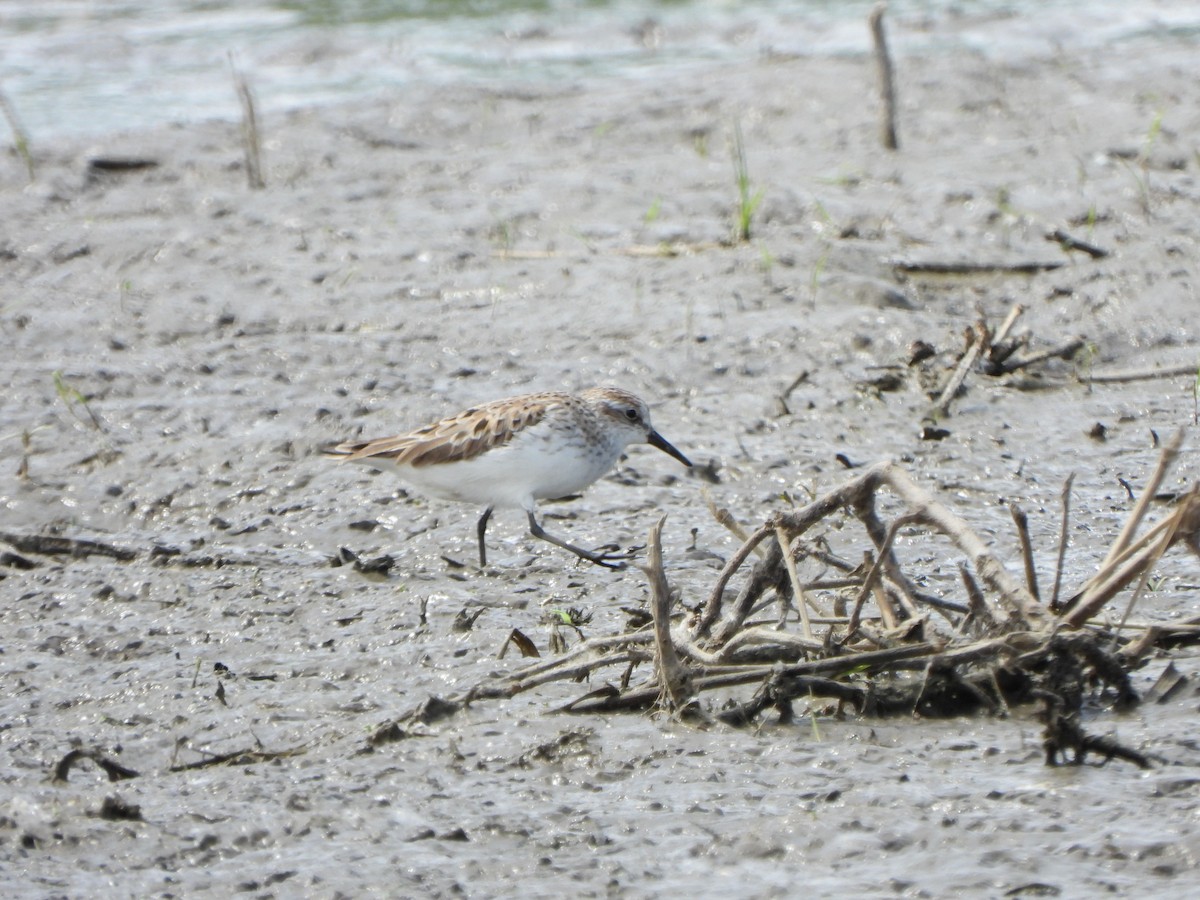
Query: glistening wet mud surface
[[411, 257]]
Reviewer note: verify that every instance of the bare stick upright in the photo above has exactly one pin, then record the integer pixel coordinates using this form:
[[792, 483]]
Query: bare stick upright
[[887, 86], [251, 141]]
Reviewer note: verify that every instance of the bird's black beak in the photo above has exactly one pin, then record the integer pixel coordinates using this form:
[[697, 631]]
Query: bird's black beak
[[654, 439]]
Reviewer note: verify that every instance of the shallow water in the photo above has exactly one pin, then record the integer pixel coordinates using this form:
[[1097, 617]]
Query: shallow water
[[91, 68]]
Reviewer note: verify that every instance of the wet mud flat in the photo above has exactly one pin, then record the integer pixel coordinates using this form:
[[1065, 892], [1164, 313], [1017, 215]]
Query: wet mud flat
[[177, 346]]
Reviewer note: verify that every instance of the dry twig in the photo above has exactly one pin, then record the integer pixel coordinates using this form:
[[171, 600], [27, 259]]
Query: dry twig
[[978, 342], [1139, 374]]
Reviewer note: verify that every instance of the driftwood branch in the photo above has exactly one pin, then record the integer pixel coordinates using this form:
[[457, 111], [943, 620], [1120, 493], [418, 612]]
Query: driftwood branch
[[886, 656]]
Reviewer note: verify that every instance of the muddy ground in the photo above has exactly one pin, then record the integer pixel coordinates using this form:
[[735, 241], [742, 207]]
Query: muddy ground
[[423, 251]]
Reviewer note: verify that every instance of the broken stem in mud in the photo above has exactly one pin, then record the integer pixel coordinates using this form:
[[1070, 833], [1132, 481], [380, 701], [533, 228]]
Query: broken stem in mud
[[712, 609], [871, 583], [977, 342], [673, 678], [940, 267], [251, 140], [1069, 242], [1014, 313], [1138, 374], [798, 592], [52, 545], [976, 602], [725, 519], [1136, 561], [1166, 460], [113, 769], [1063, 537], [1065, 350], [238, 758], [1021, 521], [887, 81]]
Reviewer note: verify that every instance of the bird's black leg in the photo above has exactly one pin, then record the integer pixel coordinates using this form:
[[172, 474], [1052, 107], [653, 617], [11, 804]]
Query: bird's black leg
[[608, 560], [480, 529]]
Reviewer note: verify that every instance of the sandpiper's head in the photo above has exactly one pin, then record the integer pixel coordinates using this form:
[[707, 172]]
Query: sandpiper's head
[[632, 416]]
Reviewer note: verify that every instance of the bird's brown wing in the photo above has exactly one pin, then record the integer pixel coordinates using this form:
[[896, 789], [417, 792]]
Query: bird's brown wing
[[459, 437]]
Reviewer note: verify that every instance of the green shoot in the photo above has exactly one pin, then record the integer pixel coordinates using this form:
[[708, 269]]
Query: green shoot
[[818, 269], [1085, 360], [502, 236], [124, 292], [748, 200], [1004, 202], [20, 135], [767, 260], [1139, 169], [573, 617], [1196, 398], [26, 444], [1152, 136], [71, 397]]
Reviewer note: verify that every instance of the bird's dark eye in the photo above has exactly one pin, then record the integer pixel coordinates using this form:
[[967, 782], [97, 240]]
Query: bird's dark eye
[[632, 414]]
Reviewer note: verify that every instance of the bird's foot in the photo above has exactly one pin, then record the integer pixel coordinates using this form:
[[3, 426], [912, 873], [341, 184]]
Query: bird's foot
[[611, 556]]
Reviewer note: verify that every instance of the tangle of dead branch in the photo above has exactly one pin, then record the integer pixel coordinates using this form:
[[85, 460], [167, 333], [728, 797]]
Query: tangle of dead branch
[[873, 637]]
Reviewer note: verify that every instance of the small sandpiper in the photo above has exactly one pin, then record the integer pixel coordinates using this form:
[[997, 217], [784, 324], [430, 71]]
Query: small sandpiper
[[514, 452]]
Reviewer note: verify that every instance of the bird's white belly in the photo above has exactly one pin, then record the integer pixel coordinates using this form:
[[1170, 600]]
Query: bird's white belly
[[517, 474]]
